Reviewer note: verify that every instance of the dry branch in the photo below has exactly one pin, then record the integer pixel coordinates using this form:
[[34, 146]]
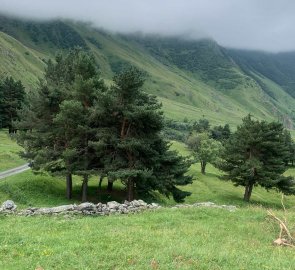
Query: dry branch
[[285, 238]]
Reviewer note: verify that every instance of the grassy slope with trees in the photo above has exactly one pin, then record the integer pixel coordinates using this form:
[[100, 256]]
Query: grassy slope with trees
[[167, 239]]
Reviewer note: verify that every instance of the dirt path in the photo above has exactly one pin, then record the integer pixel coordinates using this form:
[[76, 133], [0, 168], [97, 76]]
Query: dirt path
[[13, 171]]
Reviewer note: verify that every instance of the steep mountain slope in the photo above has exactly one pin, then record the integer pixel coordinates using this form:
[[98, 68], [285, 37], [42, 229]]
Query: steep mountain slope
[[279, 67], [193, 79], [19, 61]]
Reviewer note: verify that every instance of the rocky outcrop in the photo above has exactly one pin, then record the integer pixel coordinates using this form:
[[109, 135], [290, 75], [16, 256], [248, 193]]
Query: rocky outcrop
[[100, 209]]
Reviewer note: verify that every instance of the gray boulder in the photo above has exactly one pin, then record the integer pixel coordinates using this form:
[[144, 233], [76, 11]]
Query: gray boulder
[[8, 206], [113, 205], [86, 207], [135, 203]]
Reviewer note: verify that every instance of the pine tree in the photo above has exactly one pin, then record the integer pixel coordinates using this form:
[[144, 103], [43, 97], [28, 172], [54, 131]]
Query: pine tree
[[139, 156], [255, 155], [12, 95], [55, 124]]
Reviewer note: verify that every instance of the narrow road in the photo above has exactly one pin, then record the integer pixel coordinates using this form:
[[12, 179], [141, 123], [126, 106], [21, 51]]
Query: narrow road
[[13, 171]]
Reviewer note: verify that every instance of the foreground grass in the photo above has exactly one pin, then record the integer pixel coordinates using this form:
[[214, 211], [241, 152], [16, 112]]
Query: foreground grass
[[165, 239], [9, 152]]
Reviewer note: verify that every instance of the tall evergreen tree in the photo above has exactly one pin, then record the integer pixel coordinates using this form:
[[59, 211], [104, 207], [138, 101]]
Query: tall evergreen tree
[[255, 155], [56, 123], [139, 156], [12, 95]]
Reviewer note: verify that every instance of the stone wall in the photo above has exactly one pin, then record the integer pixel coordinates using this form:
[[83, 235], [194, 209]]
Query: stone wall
[[100, 209]]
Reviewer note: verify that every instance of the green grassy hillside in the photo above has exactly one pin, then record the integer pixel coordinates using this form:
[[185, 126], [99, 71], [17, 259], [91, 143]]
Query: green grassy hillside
[[9, 153], [20, 61], [193, 79], [279, 67]]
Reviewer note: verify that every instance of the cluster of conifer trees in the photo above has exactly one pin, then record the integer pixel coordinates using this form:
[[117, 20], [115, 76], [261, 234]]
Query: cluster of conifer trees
[[74, 124]]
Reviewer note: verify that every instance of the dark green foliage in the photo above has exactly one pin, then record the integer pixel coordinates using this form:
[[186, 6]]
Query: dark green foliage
[[141, 158], [221, 133], [169, 171], [12, 95], [200, 126], [255, 155], [56, 124], [74, 124]]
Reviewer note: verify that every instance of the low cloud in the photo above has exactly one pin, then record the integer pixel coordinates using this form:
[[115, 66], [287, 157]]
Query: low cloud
[[248, 24]]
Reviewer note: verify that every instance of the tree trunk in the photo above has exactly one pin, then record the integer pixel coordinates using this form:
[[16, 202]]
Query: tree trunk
[[110, 186], [130, 190], [99, 187], [84, 188], [203, 167], [69, 187], [248, 192], [100, 182]]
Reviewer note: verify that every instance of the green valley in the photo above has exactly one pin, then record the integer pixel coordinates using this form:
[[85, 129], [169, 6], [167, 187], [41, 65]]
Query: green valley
[[193, 79], [106, 116]]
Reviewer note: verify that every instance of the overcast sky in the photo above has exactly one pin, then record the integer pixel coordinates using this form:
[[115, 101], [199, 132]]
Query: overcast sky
[[251, 24]]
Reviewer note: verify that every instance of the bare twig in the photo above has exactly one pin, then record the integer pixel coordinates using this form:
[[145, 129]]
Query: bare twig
[[285, 237], [282, 225]]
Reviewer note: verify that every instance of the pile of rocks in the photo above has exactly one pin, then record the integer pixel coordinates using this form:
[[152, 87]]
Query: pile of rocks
[[100, 209], [87, 208]]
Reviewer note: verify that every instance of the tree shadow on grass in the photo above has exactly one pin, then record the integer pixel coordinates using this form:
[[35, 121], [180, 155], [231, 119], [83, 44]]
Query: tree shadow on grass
[[94, 195], [236, 199]]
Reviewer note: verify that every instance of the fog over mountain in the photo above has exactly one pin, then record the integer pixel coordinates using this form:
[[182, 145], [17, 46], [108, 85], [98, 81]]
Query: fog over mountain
[[262, 25]]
